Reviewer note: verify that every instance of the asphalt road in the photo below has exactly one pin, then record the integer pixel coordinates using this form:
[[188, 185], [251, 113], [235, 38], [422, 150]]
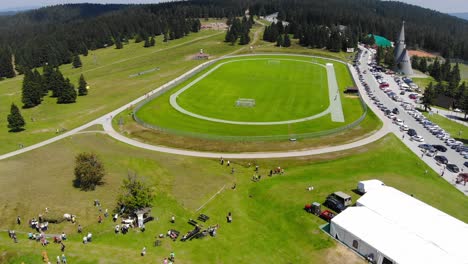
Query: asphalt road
[[453, 156]]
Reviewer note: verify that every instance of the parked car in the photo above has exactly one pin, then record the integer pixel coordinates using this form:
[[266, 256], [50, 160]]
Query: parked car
[[404, 128], [440, 148], [465, 164], [398, 122], [417, 138], [395, 111], [411, 132], [425, 146], [333, 203], [441, 159], [452, 168]]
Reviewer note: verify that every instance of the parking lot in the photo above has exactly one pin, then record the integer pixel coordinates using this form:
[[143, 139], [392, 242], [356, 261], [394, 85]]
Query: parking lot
[[395, 109]]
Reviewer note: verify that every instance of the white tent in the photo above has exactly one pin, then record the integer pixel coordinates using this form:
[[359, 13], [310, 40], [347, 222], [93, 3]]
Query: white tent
[[393, 225], [365, 186], [371, 235]]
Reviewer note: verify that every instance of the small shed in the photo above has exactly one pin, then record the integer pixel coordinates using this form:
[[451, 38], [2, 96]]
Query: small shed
[[351, 90]]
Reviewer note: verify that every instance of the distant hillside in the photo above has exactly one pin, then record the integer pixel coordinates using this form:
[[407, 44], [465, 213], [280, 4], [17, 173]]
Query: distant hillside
[[53, 34], [460, 15], [7, 13]]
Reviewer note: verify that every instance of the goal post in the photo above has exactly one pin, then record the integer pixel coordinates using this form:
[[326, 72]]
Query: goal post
[[245, 102]]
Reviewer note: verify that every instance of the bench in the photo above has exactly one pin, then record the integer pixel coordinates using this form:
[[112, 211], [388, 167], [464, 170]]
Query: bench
[[203, 217], [193, 222]]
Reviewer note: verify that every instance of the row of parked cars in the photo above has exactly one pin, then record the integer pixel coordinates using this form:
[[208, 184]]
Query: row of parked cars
[[446, 139], [429, 150]]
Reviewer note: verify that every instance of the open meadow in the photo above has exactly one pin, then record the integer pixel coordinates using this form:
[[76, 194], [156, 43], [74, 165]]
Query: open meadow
[[107, 72], [269, 224]]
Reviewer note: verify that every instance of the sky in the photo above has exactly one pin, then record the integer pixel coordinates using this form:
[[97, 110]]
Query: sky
[[445, 6]]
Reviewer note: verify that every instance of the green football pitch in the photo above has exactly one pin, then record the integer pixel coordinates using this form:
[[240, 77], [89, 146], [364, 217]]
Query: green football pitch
[[283, 87]]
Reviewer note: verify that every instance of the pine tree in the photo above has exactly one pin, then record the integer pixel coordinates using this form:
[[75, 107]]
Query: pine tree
[[6, 64], [118, 43], [423, 65], [68, 93], [428, 97], [279, 41], [76, 61], [435, 70], [152, 42], [415, 62], [445, 71], [244, 38], [57, 82], [147, 43], [15, 119], [47, 75], [286, 41], [82, 90], [31, 91]]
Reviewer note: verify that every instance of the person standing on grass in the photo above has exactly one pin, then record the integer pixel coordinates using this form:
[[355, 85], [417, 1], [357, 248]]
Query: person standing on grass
[[64, 259], [18, 220], [62, 247], [58, 259], [143, 252], [172, 256], [173, 219]]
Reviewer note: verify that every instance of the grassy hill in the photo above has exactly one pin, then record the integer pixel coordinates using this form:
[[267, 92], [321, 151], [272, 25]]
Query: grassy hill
[[269, 224]]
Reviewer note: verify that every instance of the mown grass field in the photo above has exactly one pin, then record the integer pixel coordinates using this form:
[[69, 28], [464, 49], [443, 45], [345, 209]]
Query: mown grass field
[[107, 72], [160, 113], [283, 89], [269, 224]]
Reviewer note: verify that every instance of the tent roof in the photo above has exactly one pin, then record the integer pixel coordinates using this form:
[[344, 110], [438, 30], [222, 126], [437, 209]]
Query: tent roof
[[412, 218], [382, 41], [397, 243]]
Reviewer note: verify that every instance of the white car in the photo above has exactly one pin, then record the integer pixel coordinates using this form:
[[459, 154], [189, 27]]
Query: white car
[[391, 116], [398, 122], [404, 127], [417, 138]]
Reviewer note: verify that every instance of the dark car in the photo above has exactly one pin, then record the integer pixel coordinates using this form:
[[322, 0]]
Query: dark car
[[452, 168], [334, 204], [395, 111], [441, 159], [425, 146], [440, 148], [412, 132], [465, 163]]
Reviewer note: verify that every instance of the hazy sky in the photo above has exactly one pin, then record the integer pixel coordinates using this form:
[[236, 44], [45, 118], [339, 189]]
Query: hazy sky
[[447, 6]]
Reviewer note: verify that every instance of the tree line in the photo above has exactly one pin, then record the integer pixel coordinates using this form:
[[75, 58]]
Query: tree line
[[239, 29], [36, 41], [36, 86], [55, 34], [333, 38]]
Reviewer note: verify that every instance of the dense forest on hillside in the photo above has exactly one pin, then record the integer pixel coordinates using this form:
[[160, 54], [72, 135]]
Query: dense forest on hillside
[[55, 34]]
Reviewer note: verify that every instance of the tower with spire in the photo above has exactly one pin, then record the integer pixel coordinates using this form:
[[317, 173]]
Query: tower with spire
[[402, 59]]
